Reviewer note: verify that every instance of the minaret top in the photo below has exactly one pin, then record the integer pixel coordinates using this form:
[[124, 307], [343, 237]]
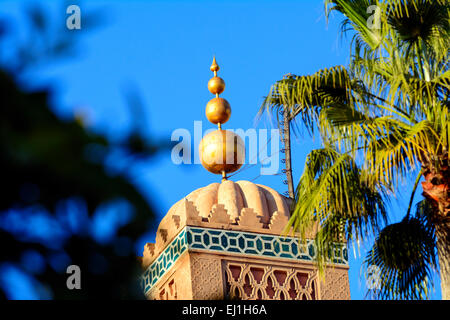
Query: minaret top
[[221, 151]]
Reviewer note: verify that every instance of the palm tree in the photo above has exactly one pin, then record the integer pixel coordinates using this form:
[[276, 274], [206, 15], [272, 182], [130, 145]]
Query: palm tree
[[382, 120]]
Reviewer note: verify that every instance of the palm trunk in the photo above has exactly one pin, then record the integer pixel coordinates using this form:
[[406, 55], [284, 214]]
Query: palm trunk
[[443, 246], [436, 188], [287, 147]]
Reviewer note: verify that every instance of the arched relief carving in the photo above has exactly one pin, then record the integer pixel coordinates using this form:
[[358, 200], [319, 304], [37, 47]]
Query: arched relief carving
[[250, 281], [169, 291]]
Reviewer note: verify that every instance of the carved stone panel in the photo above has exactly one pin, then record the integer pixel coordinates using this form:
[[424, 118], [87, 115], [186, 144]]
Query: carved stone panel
[[206, 277], [336, 285], [253, 281]]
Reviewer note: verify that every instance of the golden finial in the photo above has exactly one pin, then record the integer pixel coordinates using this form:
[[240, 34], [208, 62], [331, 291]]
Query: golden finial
[[221, 151], [216, 85], [214, 66], [218, 110]]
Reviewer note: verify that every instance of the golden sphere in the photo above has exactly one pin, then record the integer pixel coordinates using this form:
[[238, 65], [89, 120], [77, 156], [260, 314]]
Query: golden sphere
[[216, 85], [218, 110], [222, 150]]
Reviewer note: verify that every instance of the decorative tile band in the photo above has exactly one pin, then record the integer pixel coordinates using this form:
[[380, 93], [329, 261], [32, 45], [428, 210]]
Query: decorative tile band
[[263, 245], [236, 242], [164, 261]]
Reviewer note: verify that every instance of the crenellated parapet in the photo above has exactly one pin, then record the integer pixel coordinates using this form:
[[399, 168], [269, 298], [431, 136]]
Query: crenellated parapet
[[209, 224], [213, 207]]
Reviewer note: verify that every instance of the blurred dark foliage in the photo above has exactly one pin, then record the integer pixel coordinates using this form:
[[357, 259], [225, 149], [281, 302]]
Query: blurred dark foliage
[[49, 164]]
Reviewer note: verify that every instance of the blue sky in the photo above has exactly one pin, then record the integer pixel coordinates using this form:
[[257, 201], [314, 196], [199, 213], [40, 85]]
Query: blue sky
[[163, 49]]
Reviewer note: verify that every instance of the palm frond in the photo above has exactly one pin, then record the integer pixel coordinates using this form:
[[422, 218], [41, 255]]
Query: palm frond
[[304, 96], [363, 17], [419, 20], [395, 149], [332, 194], [404, 254], [389, 110]]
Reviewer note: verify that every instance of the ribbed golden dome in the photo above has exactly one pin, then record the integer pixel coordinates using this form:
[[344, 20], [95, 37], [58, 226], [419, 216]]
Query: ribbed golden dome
[[235, 196]]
